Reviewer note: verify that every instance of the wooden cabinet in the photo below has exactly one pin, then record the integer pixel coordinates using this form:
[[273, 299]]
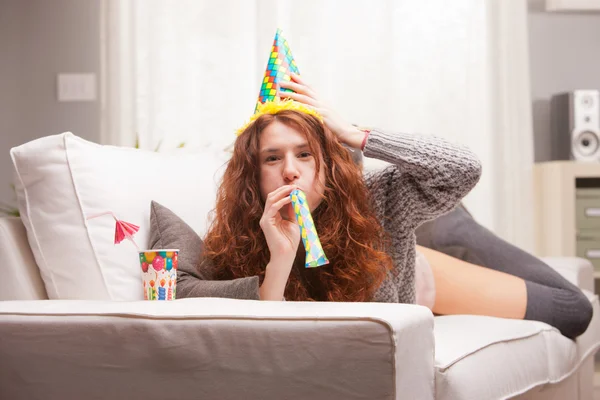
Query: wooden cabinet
[[567, 210]]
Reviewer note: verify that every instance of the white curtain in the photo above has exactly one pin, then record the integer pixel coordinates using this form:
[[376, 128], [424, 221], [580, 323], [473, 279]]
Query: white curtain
[[190, 71]]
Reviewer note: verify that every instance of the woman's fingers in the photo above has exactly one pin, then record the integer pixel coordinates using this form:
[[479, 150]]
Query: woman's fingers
[[279, 204], [299, 98], [300, 89], [296, 78], [278, 194], [291, 214], [303, 93], [276, 209]]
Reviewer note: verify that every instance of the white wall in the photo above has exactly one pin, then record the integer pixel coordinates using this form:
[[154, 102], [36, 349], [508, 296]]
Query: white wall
[[38, 40], [564, 53]]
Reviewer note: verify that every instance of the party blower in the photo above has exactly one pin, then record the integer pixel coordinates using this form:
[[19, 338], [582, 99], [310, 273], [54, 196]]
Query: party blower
[[315, 256]]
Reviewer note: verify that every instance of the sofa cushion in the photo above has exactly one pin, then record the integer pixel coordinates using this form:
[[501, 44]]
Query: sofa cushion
[[63, 179], [21, 279], [491, 358], [589, 342], [215, 349]]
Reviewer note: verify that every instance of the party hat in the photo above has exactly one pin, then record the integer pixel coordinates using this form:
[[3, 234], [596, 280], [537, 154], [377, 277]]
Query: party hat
[[280, 65]]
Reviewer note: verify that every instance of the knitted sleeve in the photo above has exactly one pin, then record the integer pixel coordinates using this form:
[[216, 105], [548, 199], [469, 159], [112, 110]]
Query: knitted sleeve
[[428, 178]]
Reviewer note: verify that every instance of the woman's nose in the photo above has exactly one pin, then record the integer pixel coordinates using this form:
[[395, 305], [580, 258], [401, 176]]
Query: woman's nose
[[290, 170]]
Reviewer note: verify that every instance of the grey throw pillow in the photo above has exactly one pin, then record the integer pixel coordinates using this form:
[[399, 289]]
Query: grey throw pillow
[[168, 231], [195, 274]]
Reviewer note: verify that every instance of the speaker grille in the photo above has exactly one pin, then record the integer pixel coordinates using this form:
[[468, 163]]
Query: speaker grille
[[586, 144]]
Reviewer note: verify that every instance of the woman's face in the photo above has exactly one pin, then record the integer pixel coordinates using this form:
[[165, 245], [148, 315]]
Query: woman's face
[[286, 159]]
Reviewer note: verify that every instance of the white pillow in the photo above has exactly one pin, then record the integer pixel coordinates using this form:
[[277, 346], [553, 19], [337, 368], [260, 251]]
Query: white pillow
[[62, 179]]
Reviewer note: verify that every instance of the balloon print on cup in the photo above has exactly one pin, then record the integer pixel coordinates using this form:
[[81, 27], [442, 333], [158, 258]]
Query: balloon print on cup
[[159, 273]]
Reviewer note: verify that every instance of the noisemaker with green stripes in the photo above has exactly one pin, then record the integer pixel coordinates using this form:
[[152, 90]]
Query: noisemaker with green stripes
[[315, 256]]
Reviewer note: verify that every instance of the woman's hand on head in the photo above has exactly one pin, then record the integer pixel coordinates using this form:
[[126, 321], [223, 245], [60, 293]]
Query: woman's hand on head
[[346, 133], [282, 234]]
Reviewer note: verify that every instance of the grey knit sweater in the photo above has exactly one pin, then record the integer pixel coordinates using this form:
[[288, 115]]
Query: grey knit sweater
[[428, 177]]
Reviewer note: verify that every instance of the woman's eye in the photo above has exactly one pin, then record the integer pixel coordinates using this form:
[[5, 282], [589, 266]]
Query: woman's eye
[[271, 158], [304, 154]]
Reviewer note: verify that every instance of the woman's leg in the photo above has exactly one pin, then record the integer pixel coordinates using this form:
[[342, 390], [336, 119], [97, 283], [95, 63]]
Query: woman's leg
[[550, 297], [465, 288]]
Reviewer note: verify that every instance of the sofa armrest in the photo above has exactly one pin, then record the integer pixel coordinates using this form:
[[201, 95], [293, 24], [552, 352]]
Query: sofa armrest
[[576, 270], [21, 279], [215, 348]]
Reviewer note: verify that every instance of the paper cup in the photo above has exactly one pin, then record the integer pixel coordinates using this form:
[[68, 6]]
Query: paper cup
[[159, 273]]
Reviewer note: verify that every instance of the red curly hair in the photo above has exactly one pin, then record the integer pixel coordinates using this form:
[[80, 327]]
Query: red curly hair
[[348, 229]]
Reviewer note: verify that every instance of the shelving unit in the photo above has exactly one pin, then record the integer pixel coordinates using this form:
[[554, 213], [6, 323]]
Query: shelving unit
[[567, 219]]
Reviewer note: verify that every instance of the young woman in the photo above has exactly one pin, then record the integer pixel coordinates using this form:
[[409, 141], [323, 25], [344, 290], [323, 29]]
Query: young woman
[[366, 224]]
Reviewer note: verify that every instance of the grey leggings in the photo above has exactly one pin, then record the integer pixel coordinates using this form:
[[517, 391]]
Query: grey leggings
[[550, 297]]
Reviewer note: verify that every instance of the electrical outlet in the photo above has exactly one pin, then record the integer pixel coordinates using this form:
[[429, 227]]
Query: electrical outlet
[[76, 87]]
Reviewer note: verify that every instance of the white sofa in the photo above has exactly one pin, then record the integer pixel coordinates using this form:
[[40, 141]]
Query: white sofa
[[97, 339]]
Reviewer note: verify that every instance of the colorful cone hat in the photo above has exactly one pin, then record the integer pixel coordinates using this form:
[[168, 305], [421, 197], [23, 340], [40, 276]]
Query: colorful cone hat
[[279, 67], [281, 63]]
